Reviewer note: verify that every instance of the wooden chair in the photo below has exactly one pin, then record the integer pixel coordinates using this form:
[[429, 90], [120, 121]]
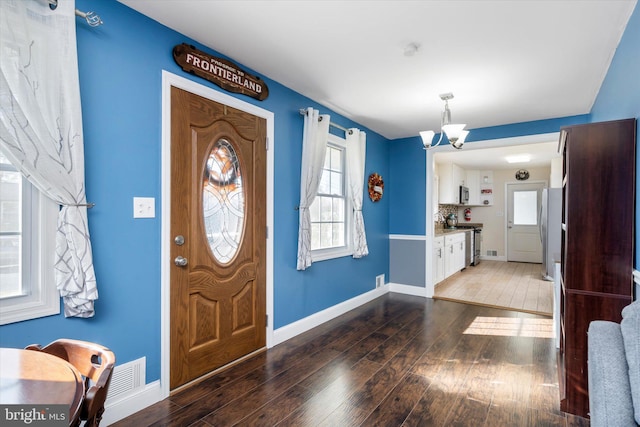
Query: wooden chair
[[95, 363]]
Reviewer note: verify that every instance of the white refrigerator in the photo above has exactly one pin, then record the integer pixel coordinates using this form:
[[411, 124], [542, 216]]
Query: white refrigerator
[[550, 223]]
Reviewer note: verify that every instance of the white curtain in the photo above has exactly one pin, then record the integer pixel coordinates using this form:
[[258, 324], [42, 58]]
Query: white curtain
[[314, 144], [41, 130], [356, 150]]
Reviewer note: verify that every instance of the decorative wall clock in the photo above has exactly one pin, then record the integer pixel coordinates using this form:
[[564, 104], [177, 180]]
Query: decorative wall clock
[[522, 175], [376, 187]]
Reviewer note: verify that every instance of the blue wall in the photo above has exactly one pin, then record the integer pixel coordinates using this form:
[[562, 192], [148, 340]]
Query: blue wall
[[407, 187], [121, 67], [619, 97]]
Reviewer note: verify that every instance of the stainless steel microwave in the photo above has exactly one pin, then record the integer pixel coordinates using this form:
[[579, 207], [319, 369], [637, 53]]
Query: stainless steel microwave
[[464, 195]]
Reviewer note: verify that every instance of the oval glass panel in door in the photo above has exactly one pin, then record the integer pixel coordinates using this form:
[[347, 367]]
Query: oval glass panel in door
[[223, 201]]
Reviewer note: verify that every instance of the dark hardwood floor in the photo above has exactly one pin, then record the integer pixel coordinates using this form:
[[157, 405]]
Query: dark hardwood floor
[[396, 361]]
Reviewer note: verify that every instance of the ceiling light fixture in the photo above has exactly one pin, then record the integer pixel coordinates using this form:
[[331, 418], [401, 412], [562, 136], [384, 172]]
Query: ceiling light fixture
[[455, 132], [518, 158], [411, 49]]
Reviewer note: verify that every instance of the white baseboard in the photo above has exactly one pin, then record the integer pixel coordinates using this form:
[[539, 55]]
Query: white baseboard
[[408, 290], [494, 258], [296, 328], [152, 392], [122, 408]]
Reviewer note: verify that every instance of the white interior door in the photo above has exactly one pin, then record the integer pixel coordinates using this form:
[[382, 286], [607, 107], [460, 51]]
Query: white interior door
[[523, 222]]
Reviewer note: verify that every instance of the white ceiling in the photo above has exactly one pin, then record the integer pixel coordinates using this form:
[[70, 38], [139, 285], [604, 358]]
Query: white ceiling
[[504, 61], [473, 157]]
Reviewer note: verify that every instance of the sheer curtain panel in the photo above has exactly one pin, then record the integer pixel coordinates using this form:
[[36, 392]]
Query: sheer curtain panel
[[314, 144], [41, 130], [356, 151]]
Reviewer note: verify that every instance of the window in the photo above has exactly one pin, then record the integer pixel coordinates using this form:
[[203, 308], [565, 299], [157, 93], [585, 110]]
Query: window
[[525, 207], [27, 249], [331, 210]]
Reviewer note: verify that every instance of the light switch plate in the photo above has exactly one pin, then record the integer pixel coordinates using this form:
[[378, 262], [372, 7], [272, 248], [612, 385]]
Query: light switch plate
[[144, 207]]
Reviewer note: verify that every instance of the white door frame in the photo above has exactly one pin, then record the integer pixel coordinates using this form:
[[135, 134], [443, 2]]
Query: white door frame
[[169, 80], [429, 224], [506, 208]]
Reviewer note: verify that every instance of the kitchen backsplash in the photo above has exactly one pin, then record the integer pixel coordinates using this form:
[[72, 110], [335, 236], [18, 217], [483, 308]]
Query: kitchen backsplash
[[443, 211]]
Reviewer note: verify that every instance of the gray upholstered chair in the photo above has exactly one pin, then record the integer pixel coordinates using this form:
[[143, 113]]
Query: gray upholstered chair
[[614, 370]]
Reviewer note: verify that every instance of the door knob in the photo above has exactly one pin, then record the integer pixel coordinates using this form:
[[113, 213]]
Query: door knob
[[180, 261]]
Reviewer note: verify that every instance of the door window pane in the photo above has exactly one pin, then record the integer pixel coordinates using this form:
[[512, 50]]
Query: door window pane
[[525, 207]]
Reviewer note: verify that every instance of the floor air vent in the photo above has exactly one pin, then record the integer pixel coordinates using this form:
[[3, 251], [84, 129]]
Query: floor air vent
[[127, 379]]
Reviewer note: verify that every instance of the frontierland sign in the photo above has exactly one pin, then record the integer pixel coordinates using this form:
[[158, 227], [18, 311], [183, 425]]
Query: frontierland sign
[[224, 73]]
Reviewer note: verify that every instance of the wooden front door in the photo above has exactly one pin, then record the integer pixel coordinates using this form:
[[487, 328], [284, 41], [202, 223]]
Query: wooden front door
[[218, 232]]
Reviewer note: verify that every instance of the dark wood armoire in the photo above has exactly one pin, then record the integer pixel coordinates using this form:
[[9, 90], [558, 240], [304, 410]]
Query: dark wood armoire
[[597, 243]]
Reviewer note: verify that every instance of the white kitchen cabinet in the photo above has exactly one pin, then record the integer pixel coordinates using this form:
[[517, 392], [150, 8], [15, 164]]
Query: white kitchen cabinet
[[458, 250], [451, 177], [454, 247], [438, 259], [473, 183], [448, 260]]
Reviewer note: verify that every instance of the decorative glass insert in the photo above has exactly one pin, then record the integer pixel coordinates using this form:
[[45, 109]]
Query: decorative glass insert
[[223, 201]]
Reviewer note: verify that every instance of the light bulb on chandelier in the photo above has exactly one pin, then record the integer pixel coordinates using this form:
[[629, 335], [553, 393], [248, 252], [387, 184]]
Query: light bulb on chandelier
[[455, 132]]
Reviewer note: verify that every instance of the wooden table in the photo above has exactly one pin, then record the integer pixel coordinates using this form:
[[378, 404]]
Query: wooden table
[[33, 377]]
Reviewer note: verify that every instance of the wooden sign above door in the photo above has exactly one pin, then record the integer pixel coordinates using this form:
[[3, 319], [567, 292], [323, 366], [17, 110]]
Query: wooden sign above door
[[223, 73]]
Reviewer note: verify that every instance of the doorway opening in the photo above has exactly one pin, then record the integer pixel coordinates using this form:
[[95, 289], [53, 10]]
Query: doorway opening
[[487, 276]]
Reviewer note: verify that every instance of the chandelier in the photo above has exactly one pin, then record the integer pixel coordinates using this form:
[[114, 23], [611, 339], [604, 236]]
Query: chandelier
[[455, 132]]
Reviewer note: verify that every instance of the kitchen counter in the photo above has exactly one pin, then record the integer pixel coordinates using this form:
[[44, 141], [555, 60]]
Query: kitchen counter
[[470, 224], [442, 231]]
